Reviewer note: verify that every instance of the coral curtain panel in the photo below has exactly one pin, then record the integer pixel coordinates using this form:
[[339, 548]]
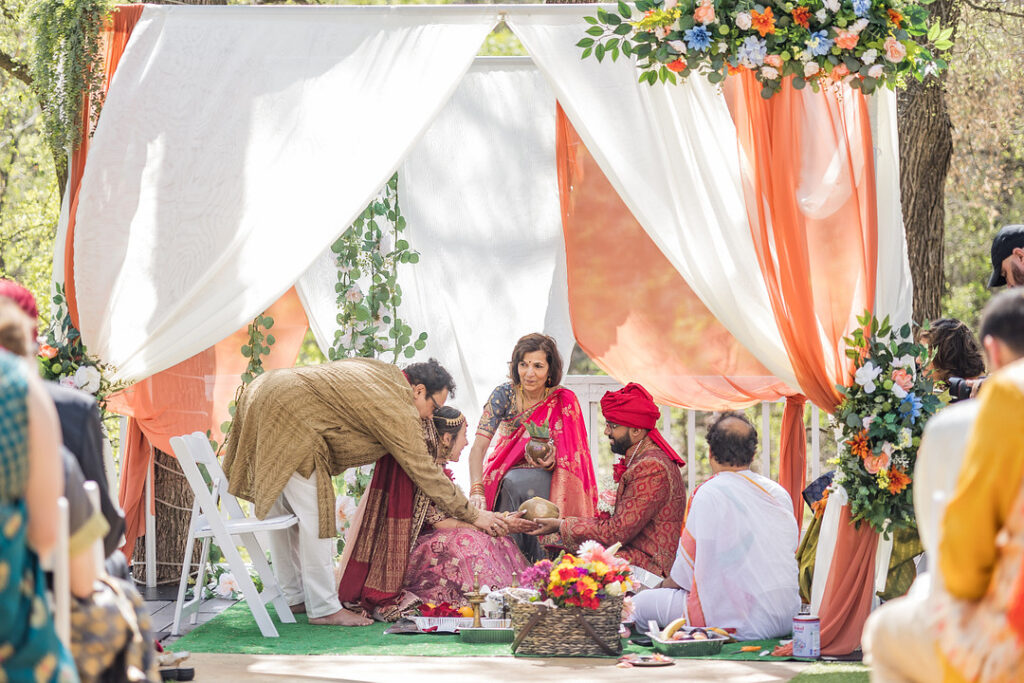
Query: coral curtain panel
[[192, 396], [632, 312], [113, 40], [809, 185]]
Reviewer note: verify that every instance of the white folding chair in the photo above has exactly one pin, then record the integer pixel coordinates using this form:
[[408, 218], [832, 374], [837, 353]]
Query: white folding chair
[[228, 527]]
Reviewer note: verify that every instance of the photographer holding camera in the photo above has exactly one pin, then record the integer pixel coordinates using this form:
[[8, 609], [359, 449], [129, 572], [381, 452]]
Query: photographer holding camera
[[957, 361]]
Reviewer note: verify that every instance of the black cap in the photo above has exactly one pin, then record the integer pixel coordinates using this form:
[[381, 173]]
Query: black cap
[[1006, 240]]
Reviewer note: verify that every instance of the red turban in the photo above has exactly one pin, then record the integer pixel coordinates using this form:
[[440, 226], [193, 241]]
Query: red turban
[[633, 406], [23, 298]]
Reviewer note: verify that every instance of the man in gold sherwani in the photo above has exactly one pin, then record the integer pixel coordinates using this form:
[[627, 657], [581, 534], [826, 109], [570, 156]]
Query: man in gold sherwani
[[296, 428]]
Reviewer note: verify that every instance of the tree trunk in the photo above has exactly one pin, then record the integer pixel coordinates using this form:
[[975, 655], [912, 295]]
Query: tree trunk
[[173, 512], [926, 146]]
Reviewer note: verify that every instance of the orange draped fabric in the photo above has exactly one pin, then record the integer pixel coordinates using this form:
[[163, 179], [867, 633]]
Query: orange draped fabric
[[632, 312], [637, 318], [192, 396], [113, 41], [849, 589], [793, 454], [809, 183]]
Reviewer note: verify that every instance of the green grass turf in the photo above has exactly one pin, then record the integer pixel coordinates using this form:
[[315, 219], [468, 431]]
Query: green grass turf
[[235, 631], [833, 673]]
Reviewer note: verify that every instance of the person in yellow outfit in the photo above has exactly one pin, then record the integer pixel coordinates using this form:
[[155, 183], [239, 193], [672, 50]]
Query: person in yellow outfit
[[981, 615]]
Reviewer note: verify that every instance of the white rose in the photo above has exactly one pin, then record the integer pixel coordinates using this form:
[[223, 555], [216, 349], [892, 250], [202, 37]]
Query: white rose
[[888, 448], [831, 5], [769, 72], [226, 585], [821, 15], [613, 589], [866, 376], [87, 378], [876, 71], [898, 391], [661, 32], [743, 21], [354, 295], [859, 26], [869, 56], [678, 45], [722, 47], [866, 422], [811, 68]]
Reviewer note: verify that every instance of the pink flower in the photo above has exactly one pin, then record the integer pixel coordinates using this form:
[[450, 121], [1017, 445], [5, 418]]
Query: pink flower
[[773, 60], [903, 378], [705, 12], [875, 463], [895, 51], [876, 71]]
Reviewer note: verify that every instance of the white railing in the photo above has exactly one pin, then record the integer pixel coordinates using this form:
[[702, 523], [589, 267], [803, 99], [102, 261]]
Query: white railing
[[590, 388]]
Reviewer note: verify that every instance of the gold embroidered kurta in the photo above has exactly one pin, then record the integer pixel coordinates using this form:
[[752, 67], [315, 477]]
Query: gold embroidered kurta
[[326, 419]]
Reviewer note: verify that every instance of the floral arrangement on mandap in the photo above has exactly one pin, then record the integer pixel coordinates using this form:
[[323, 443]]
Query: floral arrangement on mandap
[[865, 43], [63, 357], [582, 580], [880, 421]]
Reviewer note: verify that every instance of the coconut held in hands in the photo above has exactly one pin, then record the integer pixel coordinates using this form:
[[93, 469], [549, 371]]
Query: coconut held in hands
[[535, 508]]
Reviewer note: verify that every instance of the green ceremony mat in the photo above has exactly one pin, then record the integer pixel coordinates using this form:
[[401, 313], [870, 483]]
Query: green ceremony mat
[[235, 631]]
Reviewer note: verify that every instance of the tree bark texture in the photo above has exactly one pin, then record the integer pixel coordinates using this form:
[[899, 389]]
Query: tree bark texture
[[173, 513], [926, 147]]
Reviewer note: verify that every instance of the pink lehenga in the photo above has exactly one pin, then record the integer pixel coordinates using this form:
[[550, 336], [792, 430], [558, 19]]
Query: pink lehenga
[[444, 561]]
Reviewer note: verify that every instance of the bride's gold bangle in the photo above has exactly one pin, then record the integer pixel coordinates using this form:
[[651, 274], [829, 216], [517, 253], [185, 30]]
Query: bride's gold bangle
[[477, 489]]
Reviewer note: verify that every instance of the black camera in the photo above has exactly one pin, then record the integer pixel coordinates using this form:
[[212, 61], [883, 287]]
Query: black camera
[[959, 388]]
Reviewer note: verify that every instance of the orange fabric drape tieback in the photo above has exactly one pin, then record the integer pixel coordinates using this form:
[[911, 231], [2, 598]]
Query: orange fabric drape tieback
[[793, 453], [114, 40]]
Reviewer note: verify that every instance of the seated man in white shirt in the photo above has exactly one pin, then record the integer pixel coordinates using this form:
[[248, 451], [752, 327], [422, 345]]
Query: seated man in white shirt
[[736, 563]]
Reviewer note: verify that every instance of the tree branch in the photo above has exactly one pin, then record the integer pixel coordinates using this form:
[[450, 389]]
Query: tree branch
[[993, 9], [15, 68]]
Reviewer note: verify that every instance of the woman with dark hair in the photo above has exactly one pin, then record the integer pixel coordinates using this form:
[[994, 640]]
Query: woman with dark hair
[[508, 478], [956, 356], [449, 554]]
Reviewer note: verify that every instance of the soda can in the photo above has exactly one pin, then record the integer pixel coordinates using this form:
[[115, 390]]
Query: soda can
[[807, 636]]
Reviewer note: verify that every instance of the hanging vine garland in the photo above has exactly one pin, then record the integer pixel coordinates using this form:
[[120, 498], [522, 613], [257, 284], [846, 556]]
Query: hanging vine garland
[[67, 68]]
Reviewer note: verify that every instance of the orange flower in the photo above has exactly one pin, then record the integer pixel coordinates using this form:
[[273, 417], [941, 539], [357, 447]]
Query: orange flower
[[705, 12], [895, 17], [801, 16], [898, 480], [840, 71], [903, 378], [46, 351], [676, 66], [733, 70], [819, 505], [847, 40], [762, 22], [859, 444]]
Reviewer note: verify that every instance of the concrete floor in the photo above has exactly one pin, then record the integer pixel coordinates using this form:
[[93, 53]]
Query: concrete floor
[[276, 669]]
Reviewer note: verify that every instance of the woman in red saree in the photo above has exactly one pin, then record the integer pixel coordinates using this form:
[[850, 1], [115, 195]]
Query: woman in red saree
[[507, 478]]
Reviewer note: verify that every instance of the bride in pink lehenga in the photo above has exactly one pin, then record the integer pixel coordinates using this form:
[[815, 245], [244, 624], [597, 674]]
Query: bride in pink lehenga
[[449, 552]]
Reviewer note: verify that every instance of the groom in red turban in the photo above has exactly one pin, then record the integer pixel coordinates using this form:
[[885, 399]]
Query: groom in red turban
[[651, 495]]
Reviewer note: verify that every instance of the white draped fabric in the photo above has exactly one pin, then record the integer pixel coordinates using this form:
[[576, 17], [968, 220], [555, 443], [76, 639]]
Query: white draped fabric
[[235, 144], [479, 192], [659, 148]]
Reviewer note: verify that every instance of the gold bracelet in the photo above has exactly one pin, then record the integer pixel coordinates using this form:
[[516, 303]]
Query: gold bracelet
[[477, 489]]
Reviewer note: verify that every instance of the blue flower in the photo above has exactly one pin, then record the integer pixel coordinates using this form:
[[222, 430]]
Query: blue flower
[[862, 7], [819, 43], [753, 51], [911, 406], [698, 38]]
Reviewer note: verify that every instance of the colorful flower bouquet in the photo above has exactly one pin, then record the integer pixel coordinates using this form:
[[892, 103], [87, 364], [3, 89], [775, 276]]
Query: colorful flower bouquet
[[880, 421], [582, 580], [865, 43]]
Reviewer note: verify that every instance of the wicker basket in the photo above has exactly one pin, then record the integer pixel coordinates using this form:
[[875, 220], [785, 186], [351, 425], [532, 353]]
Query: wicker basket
[[567, 631]]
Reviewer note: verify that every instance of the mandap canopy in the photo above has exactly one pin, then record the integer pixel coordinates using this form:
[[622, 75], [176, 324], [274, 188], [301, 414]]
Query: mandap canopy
[[709, 244]]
